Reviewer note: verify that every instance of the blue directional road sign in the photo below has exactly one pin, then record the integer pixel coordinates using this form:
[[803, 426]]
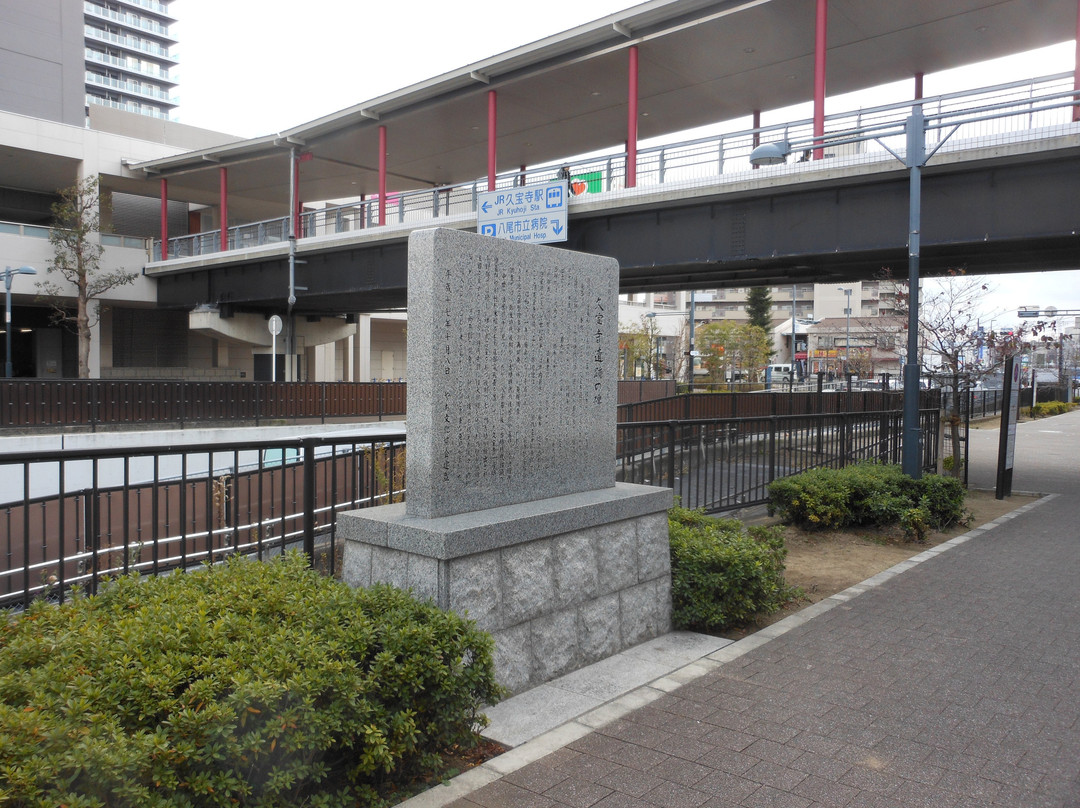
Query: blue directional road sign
[[534, 214]]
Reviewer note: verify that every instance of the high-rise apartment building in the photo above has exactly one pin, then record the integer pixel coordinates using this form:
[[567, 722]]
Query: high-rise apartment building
[[57, 57], [128, 62]]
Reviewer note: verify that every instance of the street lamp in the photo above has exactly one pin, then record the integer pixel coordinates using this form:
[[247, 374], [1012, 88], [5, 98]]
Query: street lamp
[[847, 334], [914, 158], [10, 273]]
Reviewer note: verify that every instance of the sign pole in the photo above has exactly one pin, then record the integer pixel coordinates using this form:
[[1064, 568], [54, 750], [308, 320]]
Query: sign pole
[[274, 325], [1010, 412]]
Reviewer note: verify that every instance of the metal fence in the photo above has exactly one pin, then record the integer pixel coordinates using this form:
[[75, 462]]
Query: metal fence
[[727, 464], [756, 405], [971, 404], [77, 518], [1023, 110], [94, 403], [974, 403]]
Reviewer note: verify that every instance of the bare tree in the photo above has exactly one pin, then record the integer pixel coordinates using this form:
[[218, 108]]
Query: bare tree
[[638, 344], [77, 260], [951, 333]]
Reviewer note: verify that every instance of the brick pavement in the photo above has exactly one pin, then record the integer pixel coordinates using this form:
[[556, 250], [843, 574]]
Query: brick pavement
[[955, 685]]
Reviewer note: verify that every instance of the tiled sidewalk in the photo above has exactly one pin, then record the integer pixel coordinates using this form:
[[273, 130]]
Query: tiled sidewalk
[[954, 684]]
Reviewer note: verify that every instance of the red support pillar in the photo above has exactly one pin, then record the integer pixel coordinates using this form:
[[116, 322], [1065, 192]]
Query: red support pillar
[[382, 175], [296, 198], [918, 87], [492, 135], [1076, 66], [632, 120], [521, 176], [820, 44], [224, 204], [164, 219], [756, 124]]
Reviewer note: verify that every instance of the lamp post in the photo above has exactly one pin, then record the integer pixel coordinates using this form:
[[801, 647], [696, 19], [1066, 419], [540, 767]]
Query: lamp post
[[10, 273], [914, 158], [791, 371], [847, 332]]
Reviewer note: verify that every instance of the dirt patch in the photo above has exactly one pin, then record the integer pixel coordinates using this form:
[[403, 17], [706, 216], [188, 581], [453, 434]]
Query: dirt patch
[[824, 563]]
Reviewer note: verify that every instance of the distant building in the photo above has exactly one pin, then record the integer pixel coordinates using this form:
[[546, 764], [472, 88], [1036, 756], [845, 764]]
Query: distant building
[[128, 59], [865, 346], [820, 325], [59, 58]]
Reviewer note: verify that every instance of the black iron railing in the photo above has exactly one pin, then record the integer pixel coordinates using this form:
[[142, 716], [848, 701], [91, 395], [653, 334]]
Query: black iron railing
[[727, 464], [75, 518]]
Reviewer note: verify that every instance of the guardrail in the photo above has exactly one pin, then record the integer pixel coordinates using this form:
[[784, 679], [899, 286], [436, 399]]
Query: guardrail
[[1021, 110]]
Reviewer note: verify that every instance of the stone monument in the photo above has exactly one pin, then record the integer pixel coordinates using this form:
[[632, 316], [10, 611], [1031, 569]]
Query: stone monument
[[512, 513]]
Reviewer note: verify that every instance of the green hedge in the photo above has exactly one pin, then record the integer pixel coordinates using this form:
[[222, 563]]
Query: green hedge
[[1044, 409], [868, 494], [247, 684], [722, 573]]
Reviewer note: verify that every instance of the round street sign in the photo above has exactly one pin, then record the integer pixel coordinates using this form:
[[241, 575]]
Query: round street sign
[[274, 325]]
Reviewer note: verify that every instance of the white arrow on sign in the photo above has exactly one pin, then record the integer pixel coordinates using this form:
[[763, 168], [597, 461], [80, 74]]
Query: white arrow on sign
[[535, 214]]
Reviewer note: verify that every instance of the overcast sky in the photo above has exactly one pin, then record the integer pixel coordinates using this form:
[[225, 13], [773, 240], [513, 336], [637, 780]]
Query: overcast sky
[[255, 68]]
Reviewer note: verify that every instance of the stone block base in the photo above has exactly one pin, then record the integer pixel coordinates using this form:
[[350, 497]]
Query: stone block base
[[560, 583]]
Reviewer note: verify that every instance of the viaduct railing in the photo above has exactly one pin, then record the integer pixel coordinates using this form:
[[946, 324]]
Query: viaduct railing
[[1029, 109]]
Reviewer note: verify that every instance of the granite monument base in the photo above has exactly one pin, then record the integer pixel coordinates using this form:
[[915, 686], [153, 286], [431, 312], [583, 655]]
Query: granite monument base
[[559, 583]]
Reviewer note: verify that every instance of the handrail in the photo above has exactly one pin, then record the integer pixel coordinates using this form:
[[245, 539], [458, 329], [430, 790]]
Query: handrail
[[148, 69], [149, 26], [710, 159], [125, 42], [129, 87]]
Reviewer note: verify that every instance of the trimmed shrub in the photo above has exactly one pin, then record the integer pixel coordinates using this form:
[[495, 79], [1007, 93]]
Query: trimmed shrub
[[868, 494], [916, 522], [943, 498], [877, 493], [722, 573], [814, 500], [246, 684], [1044, 409]]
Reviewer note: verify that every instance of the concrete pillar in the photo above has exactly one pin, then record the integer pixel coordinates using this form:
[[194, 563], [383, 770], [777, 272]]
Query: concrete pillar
[[348, 371], [362, 348]]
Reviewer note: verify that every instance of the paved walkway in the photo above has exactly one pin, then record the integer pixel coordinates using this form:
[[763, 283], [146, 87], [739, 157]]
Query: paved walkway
[[952, 680]]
